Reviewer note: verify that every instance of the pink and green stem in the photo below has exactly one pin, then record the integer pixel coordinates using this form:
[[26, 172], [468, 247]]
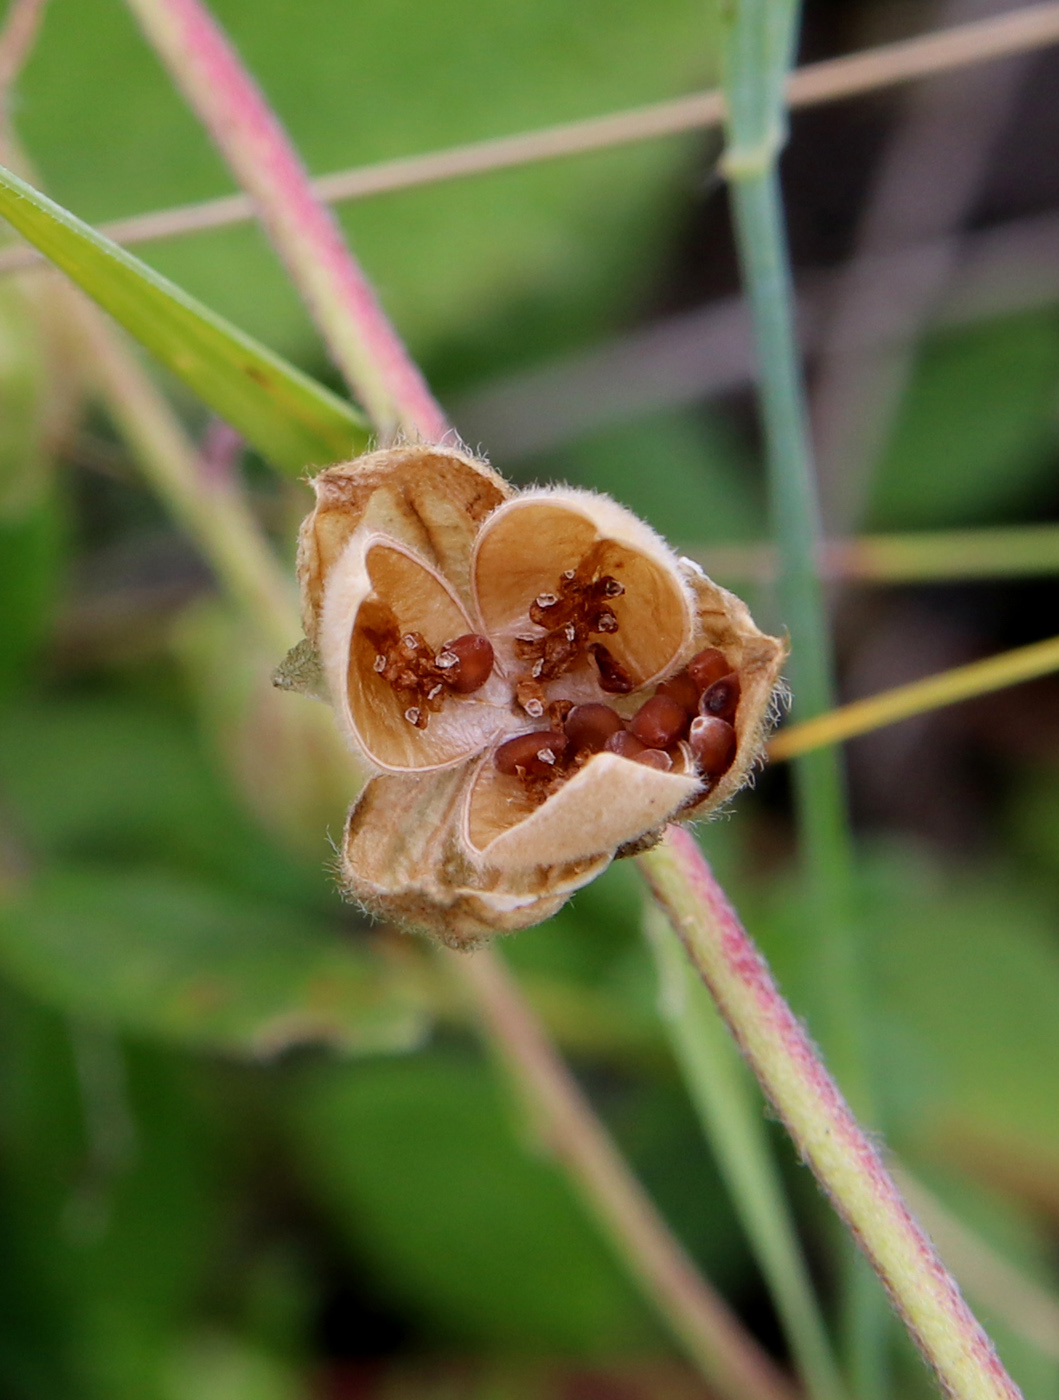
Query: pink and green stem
[[842, 1156]]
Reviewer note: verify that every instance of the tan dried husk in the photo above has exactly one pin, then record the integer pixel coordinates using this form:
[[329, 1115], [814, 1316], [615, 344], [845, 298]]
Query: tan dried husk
[[432, 499], [424, 848]]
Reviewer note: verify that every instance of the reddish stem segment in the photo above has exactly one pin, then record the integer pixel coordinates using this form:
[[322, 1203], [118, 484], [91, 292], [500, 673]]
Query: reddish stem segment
[[358, 333], [819, 1120]]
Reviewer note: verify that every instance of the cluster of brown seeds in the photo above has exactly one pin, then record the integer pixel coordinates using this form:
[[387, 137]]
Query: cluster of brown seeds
[[689, 715], [688, 722], [422, 678], [570, 617]]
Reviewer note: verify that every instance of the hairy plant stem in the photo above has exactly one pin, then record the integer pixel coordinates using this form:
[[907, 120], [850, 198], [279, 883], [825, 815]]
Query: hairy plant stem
[[840, 1153]]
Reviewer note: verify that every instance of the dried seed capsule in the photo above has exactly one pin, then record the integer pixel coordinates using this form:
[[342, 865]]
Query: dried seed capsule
[[708, 666], [683, 690], [588, 727], [473, 665], [659, 722], [531, 755], [722, 698], [712, 742], [624, 744], [655, 758]]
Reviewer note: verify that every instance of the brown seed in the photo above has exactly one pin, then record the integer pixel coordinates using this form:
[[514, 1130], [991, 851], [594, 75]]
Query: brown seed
[[474, 662], [683, 690], [712, 742], [531, 755], [588, 727], [722, 698], [613, 677], [655, 758], [624, 744], [708, 666], [659, 722]]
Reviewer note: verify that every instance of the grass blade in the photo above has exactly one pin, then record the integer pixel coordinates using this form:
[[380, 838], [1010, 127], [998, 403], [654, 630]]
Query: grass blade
[[291, 420]]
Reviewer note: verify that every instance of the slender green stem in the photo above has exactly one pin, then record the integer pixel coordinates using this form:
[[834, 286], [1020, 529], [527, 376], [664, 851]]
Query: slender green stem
[[1013, 551], [918, 698], [819, 793], [729, 1106], [757, 52]]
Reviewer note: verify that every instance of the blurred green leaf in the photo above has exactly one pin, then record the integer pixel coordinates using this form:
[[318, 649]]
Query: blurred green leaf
[[684, 473], [214, 1366], [292, 421], [969, 969], [977, 432], [964, 974], [419, 1168], [24, 389], [310, 778], [164, 957], [32, 560], [110, 777], [108, 1209], [526, 254]]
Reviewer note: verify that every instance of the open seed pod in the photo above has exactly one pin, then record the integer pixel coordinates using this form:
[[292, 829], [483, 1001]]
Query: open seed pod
[[535, 680]]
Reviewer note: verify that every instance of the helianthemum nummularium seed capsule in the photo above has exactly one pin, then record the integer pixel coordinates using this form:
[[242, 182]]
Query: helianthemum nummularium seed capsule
[[535, 681]]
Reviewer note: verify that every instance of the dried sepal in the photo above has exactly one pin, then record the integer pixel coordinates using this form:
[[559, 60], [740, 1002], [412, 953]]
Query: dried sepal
[[432, 499], [378, 591], [609, 801], [402, 859], [302, 672], [529, 546], [538, 680]]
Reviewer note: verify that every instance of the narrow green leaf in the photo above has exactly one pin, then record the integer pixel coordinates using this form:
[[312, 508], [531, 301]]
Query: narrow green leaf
[[174, 959], [291, 420]]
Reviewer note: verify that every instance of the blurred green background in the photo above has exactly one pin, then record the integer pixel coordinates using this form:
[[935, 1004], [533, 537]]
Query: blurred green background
[[251, 1148]]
